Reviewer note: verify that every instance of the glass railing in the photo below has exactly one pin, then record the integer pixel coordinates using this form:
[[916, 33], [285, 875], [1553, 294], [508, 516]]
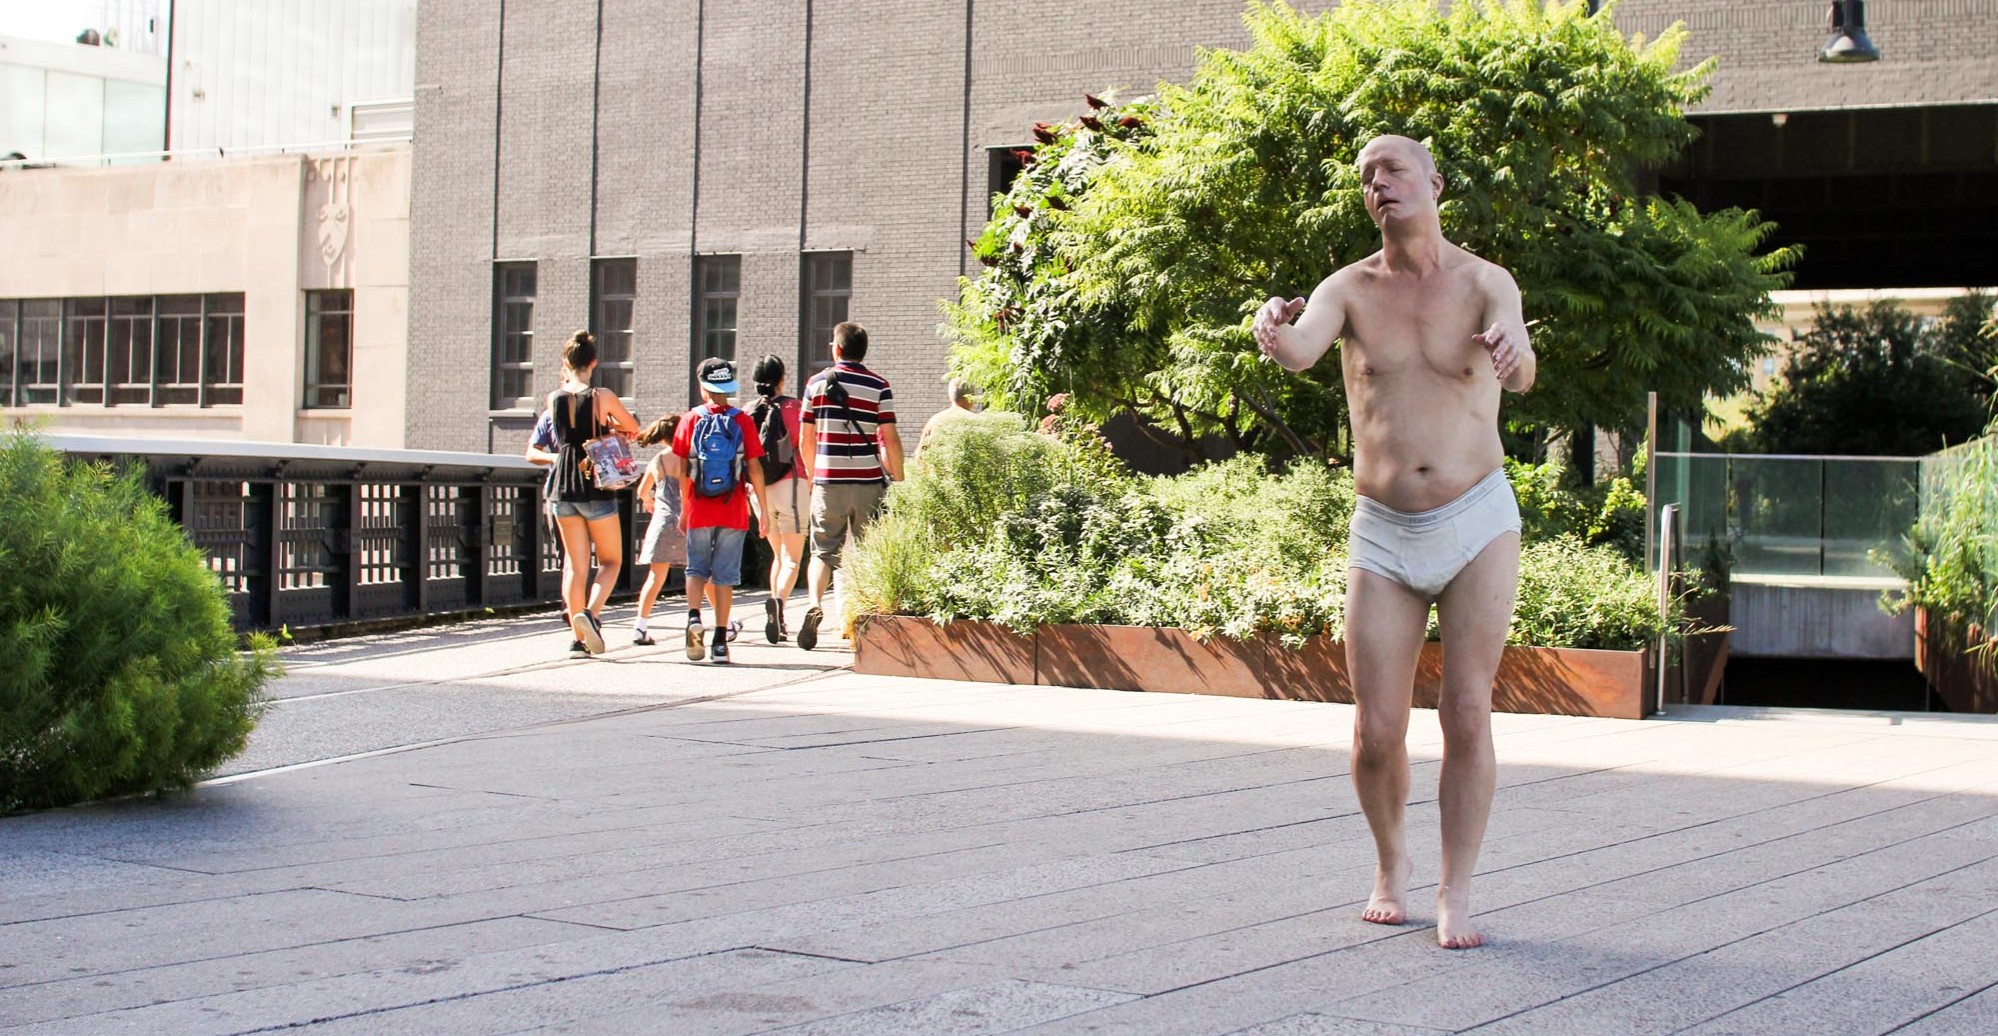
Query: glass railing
[[1782, 515]]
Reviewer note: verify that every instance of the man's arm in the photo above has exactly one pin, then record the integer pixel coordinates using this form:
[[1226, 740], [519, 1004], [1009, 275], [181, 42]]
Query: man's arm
[[891, 450], [1505, 331], [1297, 346]]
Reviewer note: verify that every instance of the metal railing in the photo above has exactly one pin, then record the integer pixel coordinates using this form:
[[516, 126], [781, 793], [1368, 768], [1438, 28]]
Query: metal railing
[[183, 154], [317, 536]]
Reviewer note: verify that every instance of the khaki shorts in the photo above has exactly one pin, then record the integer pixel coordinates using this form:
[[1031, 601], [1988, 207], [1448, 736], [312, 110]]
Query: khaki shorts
[[790, 508], [839, 509]]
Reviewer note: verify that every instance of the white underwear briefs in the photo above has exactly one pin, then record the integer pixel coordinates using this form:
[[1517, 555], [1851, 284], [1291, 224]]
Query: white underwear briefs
[[1425, 550]]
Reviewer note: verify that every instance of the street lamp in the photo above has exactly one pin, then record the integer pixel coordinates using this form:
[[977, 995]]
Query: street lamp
[[1848, 43]]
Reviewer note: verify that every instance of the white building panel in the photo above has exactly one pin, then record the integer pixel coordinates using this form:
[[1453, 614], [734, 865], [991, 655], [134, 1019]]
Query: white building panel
[[279, 72]]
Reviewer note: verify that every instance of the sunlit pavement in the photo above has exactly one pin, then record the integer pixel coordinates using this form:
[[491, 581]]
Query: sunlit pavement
[[465, 831]]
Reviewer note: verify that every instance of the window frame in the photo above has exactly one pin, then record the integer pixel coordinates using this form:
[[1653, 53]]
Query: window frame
[[811, 338], [626, 368], [502, 368], [316, 316], [227, 307], [729, 263]]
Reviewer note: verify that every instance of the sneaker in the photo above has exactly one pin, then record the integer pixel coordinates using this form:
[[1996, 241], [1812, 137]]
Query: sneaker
[[808, 634], [773, 620], [641, 638], [577, 650], [720, 650], [588, 630], [734, 629], [695, 650]]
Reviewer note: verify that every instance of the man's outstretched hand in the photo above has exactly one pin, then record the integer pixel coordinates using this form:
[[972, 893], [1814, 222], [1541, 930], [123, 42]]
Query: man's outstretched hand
[[1508, 347], [1271, 319]]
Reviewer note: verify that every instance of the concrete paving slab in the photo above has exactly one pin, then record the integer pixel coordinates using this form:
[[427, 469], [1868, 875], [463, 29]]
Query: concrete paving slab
[[730, 854]]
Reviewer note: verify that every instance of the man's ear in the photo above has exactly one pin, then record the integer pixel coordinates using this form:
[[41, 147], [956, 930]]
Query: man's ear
[[1436, 186]]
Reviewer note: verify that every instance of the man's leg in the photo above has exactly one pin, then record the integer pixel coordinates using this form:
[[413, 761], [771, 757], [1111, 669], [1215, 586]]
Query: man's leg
[[1384, 626], [818, 574], [1474, 613]]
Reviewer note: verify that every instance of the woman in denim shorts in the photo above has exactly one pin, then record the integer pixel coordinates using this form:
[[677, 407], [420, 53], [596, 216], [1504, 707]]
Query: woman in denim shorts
[[790, 498], [585, 516]]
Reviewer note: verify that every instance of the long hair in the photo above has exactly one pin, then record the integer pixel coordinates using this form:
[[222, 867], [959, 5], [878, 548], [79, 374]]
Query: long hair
[[659, 431]]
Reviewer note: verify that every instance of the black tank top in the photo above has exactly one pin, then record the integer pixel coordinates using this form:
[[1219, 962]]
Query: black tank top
[[575, 417]]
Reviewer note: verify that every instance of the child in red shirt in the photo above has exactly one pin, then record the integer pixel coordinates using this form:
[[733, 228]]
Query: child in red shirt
[[720, 470]]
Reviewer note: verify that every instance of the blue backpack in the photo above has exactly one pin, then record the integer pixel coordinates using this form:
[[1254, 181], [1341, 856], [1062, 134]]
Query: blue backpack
[[717, 460]]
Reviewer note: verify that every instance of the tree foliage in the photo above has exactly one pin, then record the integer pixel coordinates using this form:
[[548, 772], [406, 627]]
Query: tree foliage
[[1882, 382], [1124, 265], [122, 673]]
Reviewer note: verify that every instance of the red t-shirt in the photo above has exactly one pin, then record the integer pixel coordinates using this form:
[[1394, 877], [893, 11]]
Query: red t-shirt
[[704, 512]]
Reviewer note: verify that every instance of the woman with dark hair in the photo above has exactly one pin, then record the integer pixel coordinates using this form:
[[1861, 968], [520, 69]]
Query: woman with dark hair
[[585, 516], [790, 491]]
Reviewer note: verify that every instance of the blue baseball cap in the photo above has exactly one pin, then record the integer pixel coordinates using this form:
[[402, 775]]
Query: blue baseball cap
[[718, 376]]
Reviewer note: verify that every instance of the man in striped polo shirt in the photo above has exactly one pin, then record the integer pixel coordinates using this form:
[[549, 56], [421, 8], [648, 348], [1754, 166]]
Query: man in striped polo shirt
[[848, 426]]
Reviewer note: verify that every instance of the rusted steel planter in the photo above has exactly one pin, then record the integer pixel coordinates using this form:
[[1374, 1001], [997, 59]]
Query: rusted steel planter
[[1964, 681], [1556, 681], [905, 645]]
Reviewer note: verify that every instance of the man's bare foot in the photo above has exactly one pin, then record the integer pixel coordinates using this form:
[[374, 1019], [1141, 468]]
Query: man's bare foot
[[1386, 906], [1454, 930]]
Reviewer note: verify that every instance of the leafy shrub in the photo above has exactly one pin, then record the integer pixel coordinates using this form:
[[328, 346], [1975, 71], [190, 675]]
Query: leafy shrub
[[1575, 595], [122, 673], [1608, 513], [1951, 560], [1227, 549]]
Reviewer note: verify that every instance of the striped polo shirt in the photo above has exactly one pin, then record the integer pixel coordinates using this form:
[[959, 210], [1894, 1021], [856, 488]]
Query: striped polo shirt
[[849, 437]]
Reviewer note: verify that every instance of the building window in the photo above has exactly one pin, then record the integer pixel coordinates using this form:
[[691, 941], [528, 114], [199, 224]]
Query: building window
[[828, 286], [222, 349], [1003, 165], [177, 351], [613, 298], [720, 281], [513, 336], [329, 347], [166, 350], [10, 337], [128, 351], [83, 350], [40, 351]]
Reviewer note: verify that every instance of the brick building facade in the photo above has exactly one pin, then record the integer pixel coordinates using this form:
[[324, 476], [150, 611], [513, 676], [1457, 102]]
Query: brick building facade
[[719, 171]]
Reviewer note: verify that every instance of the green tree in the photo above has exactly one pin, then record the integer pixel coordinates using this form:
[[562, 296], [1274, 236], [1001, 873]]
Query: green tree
[[1878, 382], [122, 674], [1125, 266]]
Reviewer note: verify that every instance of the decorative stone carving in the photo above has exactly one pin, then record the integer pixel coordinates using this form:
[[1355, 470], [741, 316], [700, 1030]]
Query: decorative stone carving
[[329, 204]]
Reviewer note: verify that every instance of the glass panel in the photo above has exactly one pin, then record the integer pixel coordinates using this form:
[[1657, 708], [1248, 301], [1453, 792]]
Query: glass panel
[[177, 351], [129, 350], [513, 336], [328, 344], [40, 347], [1779, 515], [1870, 506], [10, 312], [617, 286], [222, 350], [83, 350]]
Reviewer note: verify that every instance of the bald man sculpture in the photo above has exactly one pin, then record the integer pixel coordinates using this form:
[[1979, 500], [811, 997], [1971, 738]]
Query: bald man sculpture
[[1429, 335]]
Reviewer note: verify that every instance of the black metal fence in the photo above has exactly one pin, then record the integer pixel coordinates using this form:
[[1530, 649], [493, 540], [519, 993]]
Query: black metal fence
[[315, 536]]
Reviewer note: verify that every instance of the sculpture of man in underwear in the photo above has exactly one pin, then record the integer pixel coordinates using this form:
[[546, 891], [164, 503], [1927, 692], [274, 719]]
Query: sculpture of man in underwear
[[1429, 335]]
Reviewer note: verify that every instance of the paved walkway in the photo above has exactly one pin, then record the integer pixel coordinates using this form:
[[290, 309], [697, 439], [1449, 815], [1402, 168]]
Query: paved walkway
[[779, 848]]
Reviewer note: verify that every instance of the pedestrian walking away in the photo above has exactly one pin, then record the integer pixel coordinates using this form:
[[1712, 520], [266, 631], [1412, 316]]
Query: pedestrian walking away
[[722, 475], [586, 516], [963, 403], [787, 470], [848, 426], [659, 494], [1429, 334]]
